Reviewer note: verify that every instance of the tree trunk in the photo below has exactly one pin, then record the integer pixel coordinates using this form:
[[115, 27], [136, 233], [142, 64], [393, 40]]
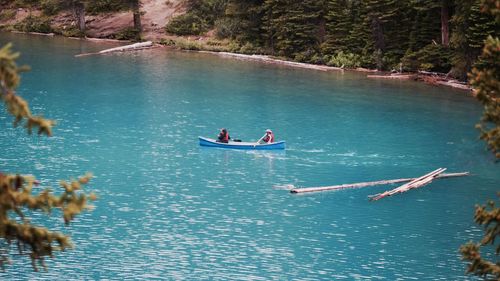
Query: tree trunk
[[79, 13], [445, 18], [378, 33], [137, 15], [379, 44], [271, 31]]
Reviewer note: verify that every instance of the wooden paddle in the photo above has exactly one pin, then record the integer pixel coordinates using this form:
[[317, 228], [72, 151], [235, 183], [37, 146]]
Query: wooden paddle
[[258, 142]]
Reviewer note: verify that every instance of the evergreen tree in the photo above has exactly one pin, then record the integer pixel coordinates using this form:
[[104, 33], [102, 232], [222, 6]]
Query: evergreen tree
[[135, 6], [338, 24], [487, 216], [16, 197], [78, 9], [445, 22], [471, 27], [200, 17], [293, 27], [397, 26], [359, 33], [386, 21], [485, 78], [428, 31], [425, 29], [244, 18]]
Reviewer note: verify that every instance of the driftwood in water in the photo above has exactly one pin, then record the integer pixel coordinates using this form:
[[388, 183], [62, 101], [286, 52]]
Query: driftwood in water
[[34, 33], [365, 184], [133, 47], [416, 183], [430, 73], [434, 78], [268, 59], [393, 76], [437, 78]]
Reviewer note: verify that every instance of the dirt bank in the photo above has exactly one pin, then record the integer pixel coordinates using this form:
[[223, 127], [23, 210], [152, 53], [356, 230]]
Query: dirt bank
[[155, 14]]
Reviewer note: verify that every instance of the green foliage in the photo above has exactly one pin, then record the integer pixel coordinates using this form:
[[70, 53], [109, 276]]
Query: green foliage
[[249, 49], [105, 6], [379, 32], [16, 106], [34, 24], [189, 45], [128, 33], [432, 57], [425, 27], [25, 3], [209, 10], [389, 24], [201, 17], [227, 28], [71, 31], [16, 196], [242, 21], [293, 28], [489, 217], [50, 7], [167, 42], [338, 22], [345, 60], [210, 45], [183, 44], [7, 15], [35, 241], [485, 78], [493, 8], [471, 28], [187, 24]]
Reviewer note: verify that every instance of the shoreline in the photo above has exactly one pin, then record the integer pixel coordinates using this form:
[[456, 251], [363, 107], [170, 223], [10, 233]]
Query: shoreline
[[429, 79], [419, 77], [271, 60]]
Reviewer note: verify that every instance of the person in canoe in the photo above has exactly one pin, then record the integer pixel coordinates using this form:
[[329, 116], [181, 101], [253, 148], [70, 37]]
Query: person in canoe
[[267, 138], [223, 136]]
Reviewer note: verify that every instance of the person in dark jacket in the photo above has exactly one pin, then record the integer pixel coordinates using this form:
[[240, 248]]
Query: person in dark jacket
[[223, 136]]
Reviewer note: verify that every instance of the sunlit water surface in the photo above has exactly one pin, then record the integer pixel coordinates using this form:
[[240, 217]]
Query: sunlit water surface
[[169, 209]]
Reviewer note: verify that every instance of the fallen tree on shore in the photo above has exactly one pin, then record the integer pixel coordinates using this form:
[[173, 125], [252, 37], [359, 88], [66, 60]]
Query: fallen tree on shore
[[132, 47]]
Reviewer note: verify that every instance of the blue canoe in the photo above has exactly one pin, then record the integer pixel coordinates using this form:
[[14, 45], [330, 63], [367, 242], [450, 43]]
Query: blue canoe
[[242, 145]]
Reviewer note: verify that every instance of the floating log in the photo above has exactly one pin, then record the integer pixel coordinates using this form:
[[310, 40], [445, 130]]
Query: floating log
[[132, 47], [416, 183], [365, 184]]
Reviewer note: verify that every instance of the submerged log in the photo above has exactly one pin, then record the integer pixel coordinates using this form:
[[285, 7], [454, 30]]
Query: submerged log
[[366, 184]]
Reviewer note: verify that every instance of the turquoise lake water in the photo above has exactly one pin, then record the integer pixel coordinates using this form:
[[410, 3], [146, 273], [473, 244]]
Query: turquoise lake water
[[171, 210]]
